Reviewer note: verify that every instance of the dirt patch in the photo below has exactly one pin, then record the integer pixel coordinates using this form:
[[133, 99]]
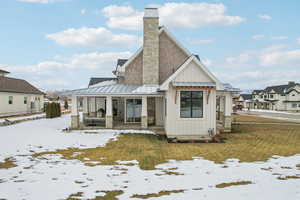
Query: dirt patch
[[159, 194], [223, 185]]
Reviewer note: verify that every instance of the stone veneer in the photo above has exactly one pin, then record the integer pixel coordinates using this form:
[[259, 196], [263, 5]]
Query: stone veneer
[[74, 121], [227, 123], [151, 51], [109, 121], [144, 123]]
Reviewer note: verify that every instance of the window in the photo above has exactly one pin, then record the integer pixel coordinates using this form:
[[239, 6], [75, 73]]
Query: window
[[294, 105], [10, 100], [271, 96], [191, 104], [25, 100]]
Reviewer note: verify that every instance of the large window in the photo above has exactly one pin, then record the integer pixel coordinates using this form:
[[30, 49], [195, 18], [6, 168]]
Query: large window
[[10, 100], [294, 105], [191, 104], [133, 110]]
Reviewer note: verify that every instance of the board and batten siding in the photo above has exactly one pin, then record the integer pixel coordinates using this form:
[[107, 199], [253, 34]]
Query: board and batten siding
[[18, 105], [176, 126]]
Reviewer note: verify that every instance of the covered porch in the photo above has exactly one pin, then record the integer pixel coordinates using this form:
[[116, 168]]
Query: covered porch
[[117, 111]]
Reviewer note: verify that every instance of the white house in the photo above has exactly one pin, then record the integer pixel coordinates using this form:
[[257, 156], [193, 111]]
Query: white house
[[279, 97], [18, 96], [162, 86]]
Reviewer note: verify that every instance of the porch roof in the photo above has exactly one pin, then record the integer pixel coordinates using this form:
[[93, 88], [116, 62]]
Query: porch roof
[[118, 89]]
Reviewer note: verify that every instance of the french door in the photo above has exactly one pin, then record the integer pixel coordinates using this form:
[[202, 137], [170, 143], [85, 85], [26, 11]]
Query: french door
[[133, 110]]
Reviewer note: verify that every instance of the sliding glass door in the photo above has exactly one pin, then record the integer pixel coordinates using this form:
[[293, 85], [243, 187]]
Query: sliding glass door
[[133, 110]]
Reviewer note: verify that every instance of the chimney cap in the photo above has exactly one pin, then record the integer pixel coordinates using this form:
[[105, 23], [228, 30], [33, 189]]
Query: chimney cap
[[151, 13]]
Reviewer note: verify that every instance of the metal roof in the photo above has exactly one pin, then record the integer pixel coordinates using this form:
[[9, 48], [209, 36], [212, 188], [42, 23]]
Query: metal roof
[[194, 84], [118, 89], [94, 80]]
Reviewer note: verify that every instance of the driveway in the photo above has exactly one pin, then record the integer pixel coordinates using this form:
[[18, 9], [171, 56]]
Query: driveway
[[273, 114]]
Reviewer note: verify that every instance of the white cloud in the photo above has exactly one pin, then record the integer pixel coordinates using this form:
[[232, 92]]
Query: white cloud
[[200, 42], [281, 58], [279, 38], [83, 11], [39, 1], [265, 17], [240, 59], [94, 37], [258, 79], [123, 17], [176, 15], [258, 37], [70, 72]]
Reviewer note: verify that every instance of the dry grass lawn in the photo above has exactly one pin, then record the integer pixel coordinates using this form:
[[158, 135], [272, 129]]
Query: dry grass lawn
[[251, 118], [247, 142], [223, 185], [159, 194], [109, 195], [8, 163]]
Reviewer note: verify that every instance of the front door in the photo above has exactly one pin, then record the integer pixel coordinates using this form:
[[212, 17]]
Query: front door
[[133, 110]]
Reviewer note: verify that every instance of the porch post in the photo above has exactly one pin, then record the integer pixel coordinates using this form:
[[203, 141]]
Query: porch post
[[228, 112], [144, 112], [93, 106], [109, 117], [74, 113], [85, 107]]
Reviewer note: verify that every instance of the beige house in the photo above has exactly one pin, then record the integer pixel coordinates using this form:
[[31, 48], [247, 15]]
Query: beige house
[[18, 96], [279, 97], [162, 87]]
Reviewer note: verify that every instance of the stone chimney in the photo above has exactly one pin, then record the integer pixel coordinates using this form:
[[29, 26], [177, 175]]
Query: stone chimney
[[151, 47]]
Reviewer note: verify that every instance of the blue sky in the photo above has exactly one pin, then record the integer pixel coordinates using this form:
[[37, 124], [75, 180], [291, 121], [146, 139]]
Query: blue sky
[[60, 44]]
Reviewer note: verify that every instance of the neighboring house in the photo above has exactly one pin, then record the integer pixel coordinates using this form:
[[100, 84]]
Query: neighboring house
[[162, 86], [18, 96], [244, 100], [279, 97]]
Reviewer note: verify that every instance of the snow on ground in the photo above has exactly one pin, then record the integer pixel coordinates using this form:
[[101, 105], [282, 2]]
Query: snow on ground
[[47, 135], [22, 117], [55, 178]]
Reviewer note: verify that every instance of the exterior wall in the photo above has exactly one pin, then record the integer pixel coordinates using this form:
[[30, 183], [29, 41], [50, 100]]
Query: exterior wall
[[134, 71], [171, 57], [151, 51], [176, 126], [18, 105], [193, 73]]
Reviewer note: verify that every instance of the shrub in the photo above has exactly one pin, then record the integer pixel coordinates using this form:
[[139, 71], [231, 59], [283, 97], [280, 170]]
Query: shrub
[[53, 110]]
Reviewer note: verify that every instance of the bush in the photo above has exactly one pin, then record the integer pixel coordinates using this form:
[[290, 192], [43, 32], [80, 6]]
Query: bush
[[53, 110]]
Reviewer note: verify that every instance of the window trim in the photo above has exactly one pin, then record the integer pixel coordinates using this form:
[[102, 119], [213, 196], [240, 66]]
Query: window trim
[[179, 102]]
